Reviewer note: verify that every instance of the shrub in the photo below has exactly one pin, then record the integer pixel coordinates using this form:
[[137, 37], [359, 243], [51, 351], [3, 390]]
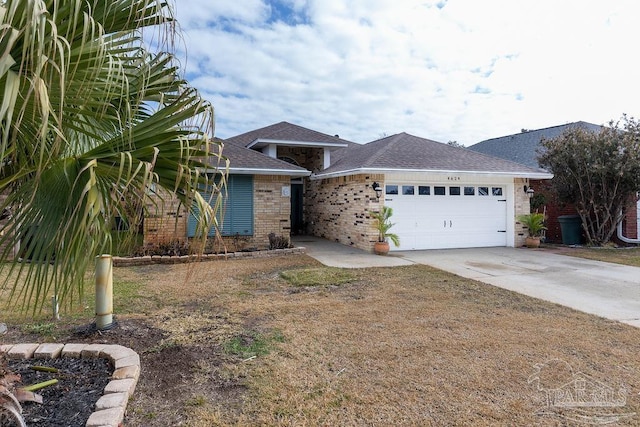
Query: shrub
[[278, 242]]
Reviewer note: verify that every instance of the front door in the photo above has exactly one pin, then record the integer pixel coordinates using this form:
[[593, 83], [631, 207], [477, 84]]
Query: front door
[[297, 219]]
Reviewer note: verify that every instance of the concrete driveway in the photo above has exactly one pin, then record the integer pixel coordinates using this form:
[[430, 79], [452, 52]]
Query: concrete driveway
[[607, 290]]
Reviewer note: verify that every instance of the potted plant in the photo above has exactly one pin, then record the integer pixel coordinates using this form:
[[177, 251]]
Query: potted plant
[[535, 226], [383, 225]]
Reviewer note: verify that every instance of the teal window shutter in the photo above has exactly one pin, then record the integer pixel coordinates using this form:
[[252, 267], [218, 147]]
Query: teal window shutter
[[238, 215], [192, 223], [237, 209]]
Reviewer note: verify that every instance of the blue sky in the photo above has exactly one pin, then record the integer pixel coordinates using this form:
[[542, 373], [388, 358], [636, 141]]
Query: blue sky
[[447, 70]]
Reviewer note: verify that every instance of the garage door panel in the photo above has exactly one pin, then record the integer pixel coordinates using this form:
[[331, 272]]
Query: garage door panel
[[448, 221]]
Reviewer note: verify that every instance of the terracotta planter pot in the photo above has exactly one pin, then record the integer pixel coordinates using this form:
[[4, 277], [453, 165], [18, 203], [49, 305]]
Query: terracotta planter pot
[[381, 248], [532, 242]]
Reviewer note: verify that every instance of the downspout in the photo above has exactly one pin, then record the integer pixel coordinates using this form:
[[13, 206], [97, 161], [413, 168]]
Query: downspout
[[625, 239]]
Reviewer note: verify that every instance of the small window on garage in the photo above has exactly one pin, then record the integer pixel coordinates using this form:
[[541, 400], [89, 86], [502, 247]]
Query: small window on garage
[[408, 190], [424, 190], [496, 191], [454, 191], [391, 189], [483, 191], [439, 191], [469, 191]]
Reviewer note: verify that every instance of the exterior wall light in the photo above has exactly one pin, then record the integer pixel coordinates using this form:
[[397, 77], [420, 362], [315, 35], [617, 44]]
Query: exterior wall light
[[529, 191], [377, 188]]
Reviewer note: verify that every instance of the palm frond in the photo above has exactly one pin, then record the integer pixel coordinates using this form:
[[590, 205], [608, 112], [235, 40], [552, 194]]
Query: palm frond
[[89, 118]]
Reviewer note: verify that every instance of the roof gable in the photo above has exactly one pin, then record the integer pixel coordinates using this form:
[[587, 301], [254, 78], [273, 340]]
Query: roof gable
[[245, 160], [523, 147], [285, 133]]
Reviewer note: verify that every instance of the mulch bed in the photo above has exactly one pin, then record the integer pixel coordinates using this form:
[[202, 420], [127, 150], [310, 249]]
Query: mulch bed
[[71, 401]]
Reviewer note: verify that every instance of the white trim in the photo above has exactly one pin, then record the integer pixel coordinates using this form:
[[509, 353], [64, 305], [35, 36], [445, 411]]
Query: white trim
[[530, 175], [326, 158], [261, 141], [269, 172], [239, 171], [511, 214], [270, 150]]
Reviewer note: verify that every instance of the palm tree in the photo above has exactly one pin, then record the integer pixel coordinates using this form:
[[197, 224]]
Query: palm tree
[[383, 224], [93, 112]]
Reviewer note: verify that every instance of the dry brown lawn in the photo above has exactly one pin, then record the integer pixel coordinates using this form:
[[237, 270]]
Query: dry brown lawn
[[234, 343], [627, 256]]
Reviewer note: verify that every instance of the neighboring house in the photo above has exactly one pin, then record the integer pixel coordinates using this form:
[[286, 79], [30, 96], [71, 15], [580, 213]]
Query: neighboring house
[[523, 148], [287, 180]]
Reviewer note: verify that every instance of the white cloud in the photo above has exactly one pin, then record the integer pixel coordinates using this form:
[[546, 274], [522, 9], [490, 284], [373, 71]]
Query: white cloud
[[201, 14], [446, 70]]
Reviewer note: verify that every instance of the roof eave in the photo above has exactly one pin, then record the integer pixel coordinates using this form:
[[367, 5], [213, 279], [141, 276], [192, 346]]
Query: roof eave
[[357, 171], [258, 171], [262, 142]]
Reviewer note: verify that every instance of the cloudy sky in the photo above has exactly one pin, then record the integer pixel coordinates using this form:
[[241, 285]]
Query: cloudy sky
[[447, 70]]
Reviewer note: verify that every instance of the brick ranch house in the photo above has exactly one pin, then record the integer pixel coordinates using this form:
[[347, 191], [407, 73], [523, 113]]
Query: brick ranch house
[[289, 180], [523, 148]]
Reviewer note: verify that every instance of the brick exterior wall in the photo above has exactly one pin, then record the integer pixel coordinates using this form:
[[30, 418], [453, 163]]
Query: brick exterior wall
[[272, 210], [309, 158], [166, 220], [337, 209], [522, 207], [554, 209], [630, 223]]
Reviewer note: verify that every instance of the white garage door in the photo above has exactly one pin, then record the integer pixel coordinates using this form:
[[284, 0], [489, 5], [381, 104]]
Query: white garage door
[[448, 216]]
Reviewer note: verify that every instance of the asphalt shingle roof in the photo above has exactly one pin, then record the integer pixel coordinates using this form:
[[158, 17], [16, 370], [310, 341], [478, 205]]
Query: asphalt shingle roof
[[285, 131], [405, 151], [523, 147]]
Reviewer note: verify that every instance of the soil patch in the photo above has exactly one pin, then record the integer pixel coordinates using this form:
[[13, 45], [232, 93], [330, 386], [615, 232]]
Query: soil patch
[[70, 402]]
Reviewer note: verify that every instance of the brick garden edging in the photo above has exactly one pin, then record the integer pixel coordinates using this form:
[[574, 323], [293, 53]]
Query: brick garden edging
[[166, 259], [110, 408]]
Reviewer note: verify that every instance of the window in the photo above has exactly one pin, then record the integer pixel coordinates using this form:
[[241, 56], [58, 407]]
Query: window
[[496, 191], [483, 191], [237, 209], [408, 190], [439, 191], [424, 190], [454, 191], [391, 189], [469, 191]]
